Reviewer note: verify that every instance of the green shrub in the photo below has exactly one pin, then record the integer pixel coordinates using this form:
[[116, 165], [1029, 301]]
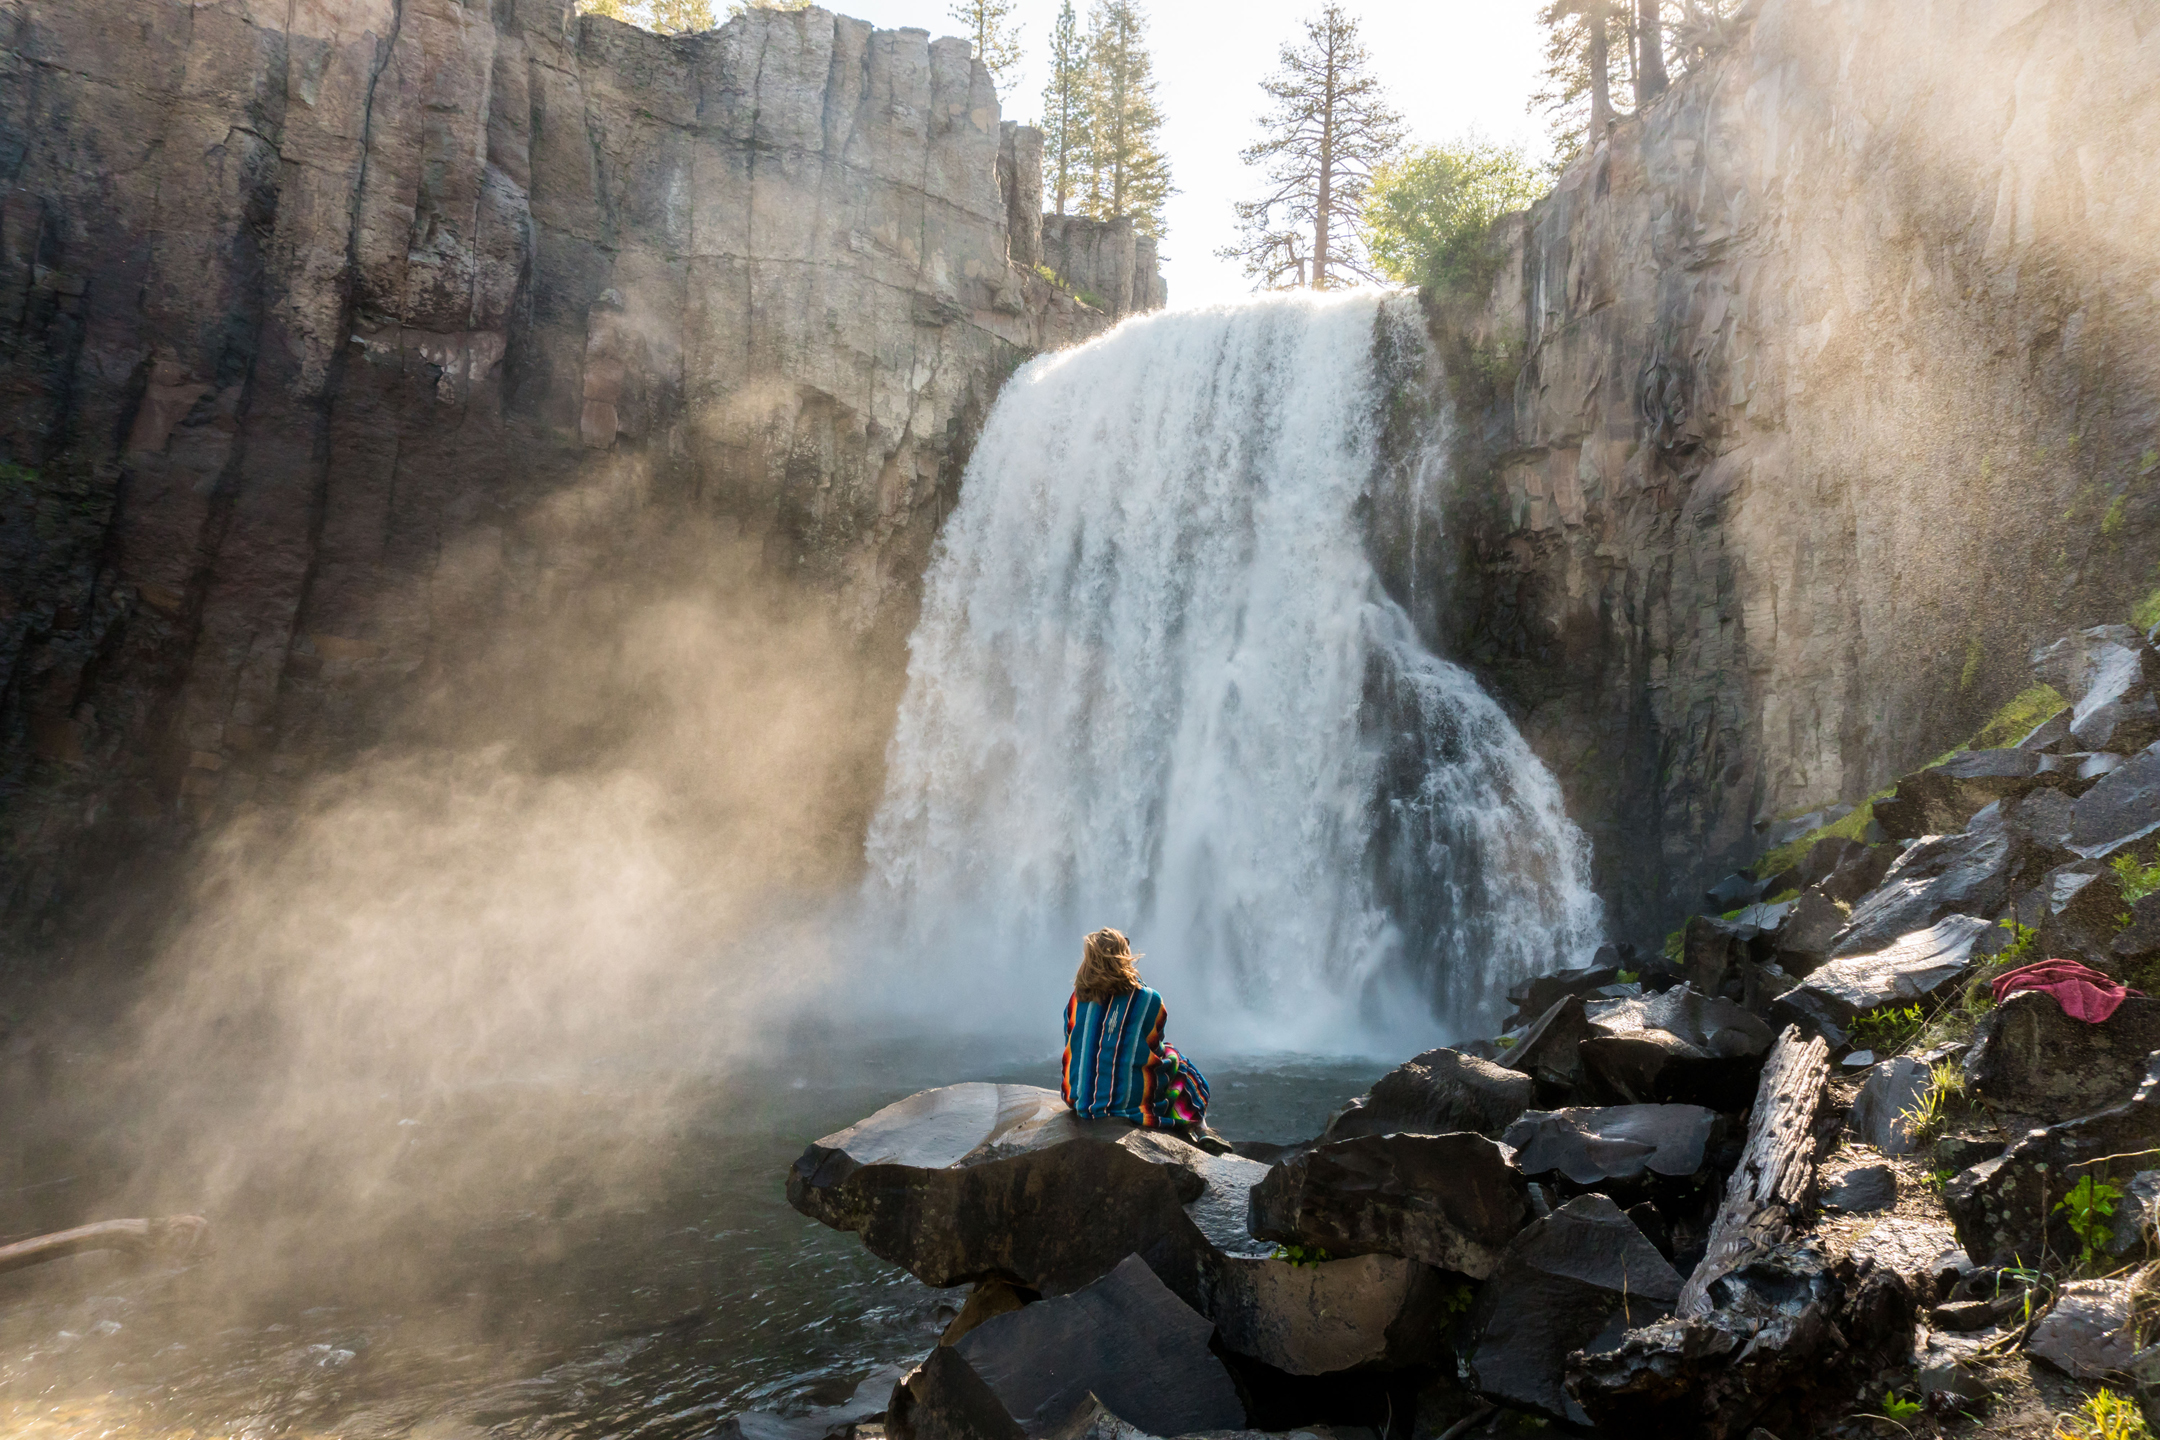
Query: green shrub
[[2106, 1415], [1887, 1029], [1429, 215], [1301, 1254], [1896, 1408], [2137, 881], [2111, 524], [2147, 613], [2088, 1205]]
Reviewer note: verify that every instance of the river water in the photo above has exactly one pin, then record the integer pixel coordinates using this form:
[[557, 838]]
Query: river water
[[701, 1296]]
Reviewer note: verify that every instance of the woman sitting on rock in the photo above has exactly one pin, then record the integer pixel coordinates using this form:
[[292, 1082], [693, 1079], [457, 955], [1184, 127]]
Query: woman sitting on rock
[[1116, 1064]]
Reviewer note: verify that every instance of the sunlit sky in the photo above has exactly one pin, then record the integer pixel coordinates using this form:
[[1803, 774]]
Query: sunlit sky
[[1449, 66]]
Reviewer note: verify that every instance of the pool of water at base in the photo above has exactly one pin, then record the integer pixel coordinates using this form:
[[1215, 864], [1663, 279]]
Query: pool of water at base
[[684, 1293]]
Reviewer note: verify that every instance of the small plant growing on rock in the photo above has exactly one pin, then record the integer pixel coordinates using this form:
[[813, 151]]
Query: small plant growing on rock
[[2088, 1205], [2137, 880], [2106, 1415], [1301, 1255], [1924, 1118], [1888, 1029], [1897, 1407]]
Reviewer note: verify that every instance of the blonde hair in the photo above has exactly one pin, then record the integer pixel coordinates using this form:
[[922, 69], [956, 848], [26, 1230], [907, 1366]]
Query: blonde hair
[[1106, 967]]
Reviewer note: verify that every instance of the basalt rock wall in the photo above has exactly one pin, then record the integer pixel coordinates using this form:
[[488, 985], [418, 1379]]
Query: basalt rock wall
[[332, 333], [1818, 393]]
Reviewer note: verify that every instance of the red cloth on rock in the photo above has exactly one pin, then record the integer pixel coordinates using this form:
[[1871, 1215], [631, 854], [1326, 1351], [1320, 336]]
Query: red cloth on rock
[[2084, 993]]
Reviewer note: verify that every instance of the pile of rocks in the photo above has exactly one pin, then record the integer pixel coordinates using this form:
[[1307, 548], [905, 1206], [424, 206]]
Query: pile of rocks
[[1739, 1187]]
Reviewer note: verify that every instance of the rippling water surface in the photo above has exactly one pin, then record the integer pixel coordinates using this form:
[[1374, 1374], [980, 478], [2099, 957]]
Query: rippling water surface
[[657, 1317]]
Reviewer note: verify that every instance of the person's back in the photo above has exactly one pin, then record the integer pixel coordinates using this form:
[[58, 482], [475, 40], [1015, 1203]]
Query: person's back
[[1116, 1064]]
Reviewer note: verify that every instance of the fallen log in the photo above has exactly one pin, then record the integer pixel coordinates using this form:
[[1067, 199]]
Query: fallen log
[[1776, 1171], [177, 1238]]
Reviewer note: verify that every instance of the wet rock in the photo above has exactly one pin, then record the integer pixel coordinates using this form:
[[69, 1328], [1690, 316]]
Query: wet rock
[[2121, 810], [1533, 998], [1789, 1337], [1680, 1046], [2135, 1226], [1862, 1190], [2003, 1208], [1364, 1312], [1583, 1274], [1125, 1340], [2089, 1332], [2107, 674], [1452, 1201], [1917, 966], [1440, 1092], [1941, 799], [1881, 1112], [1053, 1202], [2029, 1061], [1546, 1052], [1616, 1143], [989, 1299], [1971, 874]]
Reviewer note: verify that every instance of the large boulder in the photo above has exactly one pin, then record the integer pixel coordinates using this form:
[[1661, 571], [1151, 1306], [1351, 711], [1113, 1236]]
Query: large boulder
[[1916, 966], [1533, 997], [1452, 1201], [1859, 873], [1593, 1148], [1974, 873], [1803, 941], [1441, 1092], [2077, 909], [2121, 810], [2004, 1208], [1124, 1341], [1365, 1312], [2032, 1064], [2090, 1332], [1581, 1273], [1788, 1338], [1546, 1051], [2107, 674], [1941, 799], [1677, 1047]]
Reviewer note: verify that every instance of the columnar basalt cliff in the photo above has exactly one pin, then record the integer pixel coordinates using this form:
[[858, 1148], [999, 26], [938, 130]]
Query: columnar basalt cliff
[[334, 332], [1838, 387]]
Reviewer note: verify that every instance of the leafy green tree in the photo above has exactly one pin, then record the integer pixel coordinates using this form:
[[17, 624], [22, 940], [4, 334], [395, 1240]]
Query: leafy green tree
[[1429, 218], [1127, 172], [1065, 108], [1330, 126], [995, 34]]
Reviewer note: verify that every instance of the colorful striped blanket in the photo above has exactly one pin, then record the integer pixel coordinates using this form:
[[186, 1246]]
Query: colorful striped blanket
[[1116, 1064]]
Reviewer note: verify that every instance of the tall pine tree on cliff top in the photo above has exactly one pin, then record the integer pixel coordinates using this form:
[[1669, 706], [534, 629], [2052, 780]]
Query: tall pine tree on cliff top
[[996, 37], [1065, 109], [1126, 171], [1330, 126]]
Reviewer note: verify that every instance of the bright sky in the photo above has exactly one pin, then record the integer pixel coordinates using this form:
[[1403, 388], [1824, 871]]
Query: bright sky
[[1449, 66]]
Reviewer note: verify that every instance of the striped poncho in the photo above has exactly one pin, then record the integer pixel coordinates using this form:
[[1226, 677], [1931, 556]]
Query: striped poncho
[[1116, 1064]]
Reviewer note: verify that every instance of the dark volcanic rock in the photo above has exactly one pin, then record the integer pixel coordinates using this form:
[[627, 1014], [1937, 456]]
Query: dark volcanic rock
[[2089, 1333], [1915, 967], [1974, 873], [1941, 799], [2107, 674], [1880, 1114], [1804, 939], [1365, 1311], [1534, 997], [1680, 1046], [1546, 1051], [1126, 1340], [1862, 1190], [1789, 1337], [1583, 1272], [2121, 810], [2077, 910], [1713, 950], [2003, 1208], [1732, 892], [2140, 939], [1619, 1142], [2031, 1063], [1439, 1093], [1448, 1200]]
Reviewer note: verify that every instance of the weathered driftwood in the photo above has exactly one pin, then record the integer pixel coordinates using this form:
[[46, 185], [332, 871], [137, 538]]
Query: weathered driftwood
[[177, 1237], [1776, 1171]]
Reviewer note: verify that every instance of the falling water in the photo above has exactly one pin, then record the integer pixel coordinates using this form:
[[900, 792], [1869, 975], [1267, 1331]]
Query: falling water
[[1157, 684]]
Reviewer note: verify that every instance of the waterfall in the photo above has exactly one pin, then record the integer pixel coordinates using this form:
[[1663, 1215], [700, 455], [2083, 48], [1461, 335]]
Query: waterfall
[[1157, 685]]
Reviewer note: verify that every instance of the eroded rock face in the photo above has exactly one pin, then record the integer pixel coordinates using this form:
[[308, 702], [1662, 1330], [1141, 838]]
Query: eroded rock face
[[322, 316], [2032, 1063]]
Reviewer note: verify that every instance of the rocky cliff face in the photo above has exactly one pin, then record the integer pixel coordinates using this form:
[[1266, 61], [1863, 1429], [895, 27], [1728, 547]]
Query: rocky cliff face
[[333, 333], [1842, 388]]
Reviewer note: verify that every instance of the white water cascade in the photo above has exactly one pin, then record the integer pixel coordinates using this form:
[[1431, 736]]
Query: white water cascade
[[1157, 685]]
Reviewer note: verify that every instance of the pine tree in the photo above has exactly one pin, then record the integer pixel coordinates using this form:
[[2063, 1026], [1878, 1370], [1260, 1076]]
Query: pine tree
[[1580, 31], [996, 37], [1650, 79], [1065, 109], [1330, 126], [1127, 172]]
